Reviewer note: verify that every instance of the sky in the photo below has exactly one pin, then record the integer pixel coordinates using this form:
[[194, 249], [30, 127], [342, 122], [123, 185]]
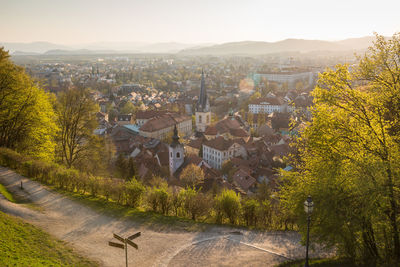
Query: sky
[[203, 21]]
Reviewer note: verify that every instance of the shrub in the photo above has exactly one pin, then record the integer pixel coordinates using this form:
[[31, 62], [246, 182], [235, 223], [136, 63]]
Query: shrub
[[94, 184], [134, 191], [227, 204], [195, 203], [10, 158], [250, 208], [159, 199]]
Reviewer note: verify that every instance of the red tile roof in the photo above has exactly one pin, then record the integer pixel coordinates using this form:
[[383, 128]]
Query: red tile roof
[[244, 180], [219, 143], [163, 121], [149, 114]]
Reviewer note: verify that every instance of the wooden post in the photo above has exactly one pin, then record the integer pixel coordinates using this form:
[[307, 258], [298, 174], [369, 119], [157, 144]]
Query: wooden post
[[21, 186], [126, 253], [125, 242]]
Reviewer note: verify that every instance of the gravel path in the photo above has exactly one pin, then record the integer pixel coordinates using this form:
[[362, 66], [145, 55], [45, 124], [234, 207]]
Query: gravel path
[[89, 232]]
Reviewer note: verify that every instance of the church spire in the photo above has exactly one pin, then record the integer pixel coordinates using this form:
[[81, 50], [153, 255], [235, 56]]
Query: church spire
[[175, 137], [202, 104]]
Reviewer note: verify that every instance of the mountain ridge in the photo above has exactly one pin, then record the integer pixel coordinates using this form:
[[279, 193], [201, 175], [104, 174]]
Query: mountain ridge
[[229, 48]]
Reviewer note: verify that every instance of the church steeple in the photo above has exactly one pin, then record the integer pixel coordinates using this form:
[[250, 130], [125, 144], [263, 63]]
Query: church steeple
[[175, 138], [202, 104], [176, 153]]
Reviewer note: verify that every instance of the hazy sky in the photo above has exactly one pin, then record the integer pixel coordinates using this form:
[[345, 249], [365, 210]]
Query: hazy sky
[[217, 21]]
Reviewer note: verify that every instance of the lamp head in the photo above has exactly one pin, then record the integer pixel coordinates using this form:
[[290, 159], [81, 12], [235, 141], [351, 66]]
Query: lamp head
[[308, 205]]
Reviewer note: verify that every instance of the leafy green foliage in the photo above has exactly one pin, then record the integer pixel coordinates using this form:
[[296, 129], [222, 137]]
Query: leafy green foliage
[[134, 192], [27, 119], [192, 175], [76, 118], [349, 159], [228, 205]]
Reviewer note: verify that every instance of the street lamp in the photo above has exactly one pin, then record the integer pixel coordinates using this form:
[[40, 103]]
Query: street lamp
[[308, 208]]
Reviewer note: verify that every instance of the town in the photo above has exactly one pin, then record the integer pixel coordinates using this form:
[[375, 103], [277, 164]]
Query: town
[[234, 123], [210, 133]]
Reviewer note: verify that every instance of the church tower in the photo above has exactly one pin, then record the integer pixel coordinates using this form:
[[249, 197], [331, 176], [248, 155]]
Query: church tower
[[176, 153], [203, 113]]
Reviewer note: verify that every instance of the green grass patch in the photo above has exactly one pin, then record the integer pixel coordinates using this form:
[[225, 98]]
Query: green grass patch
[[7, 194], [328, 262], [23, 244]]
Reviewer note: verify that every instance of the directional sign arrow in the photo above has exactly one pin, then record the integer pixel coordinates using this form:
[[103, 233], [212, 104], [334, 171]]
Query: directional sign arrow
[[131, 243], [118, 245], [119, 238], [134, 236]]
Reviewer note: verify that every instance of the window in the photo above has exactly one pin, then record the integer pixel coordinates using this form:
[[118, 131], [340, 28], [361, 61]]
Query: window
[[178, 155], [171, 154]]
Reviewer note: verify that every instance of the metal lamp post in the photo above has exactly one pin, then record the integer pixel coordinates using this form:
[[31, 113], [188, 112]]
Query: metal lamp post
[[308, 208]]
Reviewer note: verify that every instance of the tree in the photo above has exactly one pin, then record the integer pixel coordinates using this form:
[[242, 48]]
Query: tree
[[227, 204], [250, 118], [192, 175], [76, 118], [261, 119], [349, 158], [96, 159], [128, 108], [121, 165], [26, 113], [134, 191], [195, 203], [250, 207]]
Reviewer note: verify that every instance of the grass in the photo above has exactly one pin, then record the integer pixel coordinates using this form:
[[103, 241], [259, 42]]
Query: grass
[[328, 262], [7, 194], [19, 199], [23, 244]]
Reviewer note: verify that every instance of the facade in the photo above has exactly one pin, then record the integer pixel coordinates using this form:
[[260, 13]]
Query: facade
[[159, 127], [268, 105], [286, 77], [176, 153], [203, 113], [219, 150]]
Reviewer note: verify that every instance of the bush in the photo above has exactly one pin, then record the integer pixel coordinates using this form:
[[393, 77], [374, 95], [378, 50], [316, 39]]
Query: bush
[[194, 203], [159, 199], [227, 204], [134, 191], [10, 158], [250, 208]]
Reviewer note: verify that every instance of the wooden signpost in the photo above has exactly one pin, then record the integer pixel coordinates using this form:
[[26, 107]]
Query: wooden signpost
[[125, 243]]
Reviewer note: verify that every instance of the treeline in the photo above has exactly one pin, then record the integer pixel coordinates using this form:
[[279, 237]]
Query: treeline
[[55, 128], [224, 207]]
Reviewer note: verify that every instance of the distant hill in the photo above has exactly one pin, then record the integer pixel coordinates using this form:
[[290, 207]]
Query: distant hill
[[24, 53], [78, 52], [35, 47], [96, 48], [288, 45], [235, 48]]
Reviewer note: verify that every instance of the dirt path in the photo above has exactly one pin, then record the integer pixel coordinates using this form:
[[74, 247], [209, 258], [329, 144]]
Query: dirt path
[[89, 232]]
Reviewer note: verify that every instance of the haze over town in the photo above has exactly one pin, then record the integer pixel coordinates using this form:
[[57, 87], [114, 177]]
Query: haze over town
[[199, 133]]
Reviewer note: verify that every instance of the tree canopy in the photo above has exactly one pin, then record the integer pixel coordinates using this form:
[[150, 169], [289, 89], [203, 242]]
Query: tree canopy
[[349, 158], [76, 117], [27, 119]]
